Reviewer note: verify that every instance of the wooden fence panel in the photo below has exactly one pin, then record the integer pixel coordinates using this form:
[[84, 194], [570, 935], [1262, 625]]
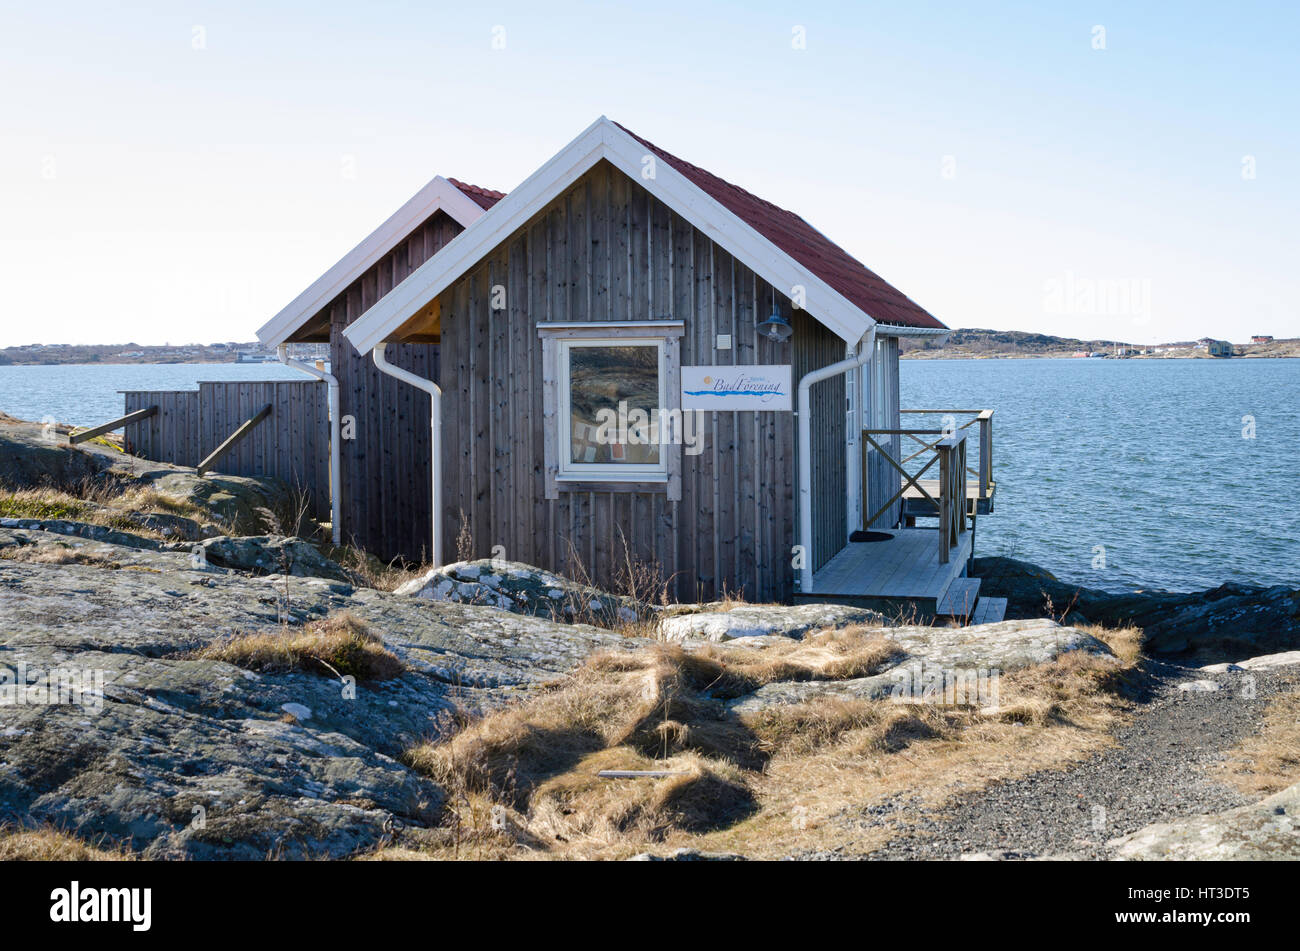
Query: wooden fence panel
[[168, 435], [291, 444]]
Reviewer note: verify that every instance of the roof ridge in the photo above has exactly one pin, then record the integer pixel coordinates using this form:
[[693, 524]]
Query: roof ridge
[[476, 189]]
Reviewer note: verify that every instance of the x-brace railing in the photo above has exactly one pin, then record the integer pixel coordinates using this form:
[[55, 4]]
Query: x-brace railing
[[908, 478]]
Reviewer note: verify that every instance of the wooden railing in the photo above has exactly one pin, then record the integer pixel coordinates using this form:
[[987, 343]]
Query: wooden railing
[[981, 418], [952, 492], [948, 449]]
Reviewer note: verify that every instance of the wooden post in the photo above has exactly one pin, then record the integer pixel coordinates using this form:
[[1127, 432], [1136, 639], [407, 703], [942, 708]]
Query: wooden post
[[233, 438], [121, 421], [986, 451]]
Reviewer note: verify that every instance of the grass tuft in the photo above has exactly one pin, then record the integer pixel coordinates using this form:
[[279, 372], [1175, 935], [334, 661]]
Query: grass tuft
[[340, 644], [522, 781], [49, 844]]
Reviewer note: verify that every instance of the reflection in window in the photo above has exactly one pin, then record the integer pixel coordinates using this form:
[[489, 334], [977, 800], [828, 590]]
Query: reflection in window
[[620, 380]]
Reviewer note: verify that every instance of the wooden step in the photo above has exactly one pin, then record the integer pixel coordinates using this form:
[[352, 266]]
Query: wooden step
[[989, 610], [960, 598]]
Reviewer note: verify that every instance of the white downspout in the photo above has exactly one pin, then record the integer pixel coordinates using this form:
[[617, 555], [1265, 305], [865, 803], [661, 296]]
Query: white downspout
[[336, 465], [435, 431], [862, 359]]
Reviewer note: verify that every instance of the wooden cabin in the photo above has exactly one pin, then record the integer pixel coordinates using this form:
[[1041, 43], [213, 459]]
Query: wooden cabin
[[635, 361], [384, 436]]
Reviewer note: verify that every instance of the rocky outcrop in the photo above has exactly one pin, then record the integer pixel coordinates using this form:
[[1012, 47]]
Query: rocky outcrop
[[719, 622], [1233, 619], [83, 530], [271, 554], [936, 659], [1265, 830], [522, 589], [1263, 662], [36, 456], [187, 757]]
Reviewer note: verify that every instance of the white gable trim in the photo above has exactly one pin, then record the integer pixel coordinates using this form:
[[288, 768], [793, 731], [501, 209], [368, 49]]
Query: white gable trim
[[604, 140], [439, 194]]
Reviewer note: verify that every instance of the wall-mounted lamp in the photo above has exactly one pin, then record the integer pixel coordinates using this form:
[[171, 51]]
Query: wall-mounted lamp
[[776, 328]]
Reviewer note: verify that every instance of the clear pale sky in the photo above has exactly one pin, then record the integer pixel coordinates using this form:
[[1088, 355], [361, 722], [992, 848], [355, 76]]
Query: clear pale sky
[[178, 171]]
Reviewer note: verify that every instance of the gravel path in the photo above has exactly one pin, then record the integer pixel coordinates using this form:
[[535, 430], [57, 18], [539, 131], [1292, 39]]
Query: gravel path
[[1163, 768]]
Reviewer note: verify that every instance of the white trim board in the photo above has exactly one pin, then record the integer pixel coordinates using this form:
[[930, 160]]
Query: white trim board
[[439, 194], [895, 330], [605, 140]]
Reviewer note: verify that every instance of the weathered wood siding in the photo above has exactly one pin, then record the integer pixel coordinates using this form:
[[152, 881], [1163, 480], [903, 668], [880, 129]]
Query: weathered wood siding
[[386, 474], [607, 250], [814, 347], [169, 435], [291, 444], [883, 480]]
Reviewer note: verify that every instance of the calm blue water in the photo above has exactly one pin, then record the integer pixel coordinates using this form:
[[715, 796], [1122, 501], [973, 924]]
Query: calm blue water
[[86, 394], [1142, 457]]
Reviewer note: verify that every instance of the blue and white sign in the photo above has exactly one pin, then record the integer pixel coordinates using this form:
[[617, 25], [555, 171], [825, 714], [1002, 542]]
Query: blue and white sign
[[737, 388]]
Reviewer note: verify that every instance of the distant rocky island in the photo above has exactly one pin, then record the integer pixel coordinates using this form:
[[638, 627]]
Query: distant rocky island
[[975, 344], [42, 354], [964, 343]]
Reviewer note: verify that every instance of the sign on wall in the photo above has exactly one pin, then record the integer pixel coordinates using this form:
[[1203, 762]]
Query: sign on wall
[[737, 388]]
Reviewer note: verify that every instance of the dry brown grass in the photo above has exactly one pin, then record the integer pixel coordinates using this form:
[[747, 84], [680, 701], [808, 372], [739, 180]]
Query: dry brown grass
[[61, 555], [522, 781], [148, 499], [42, 504], [1269, 761], [48, 844], [373, 572], [340, 644], [105, 503]]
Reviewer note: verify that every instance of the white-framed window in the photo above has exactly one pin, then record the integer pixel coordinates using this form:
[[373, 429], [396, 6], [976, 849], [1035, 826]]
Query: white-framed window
[[606, 387], [612, 393]]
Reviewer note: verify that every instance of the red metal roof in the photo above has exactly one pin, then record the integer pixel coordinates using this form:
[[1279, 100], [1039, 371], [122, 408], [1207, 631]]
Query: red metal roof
[[860, 286], [484, 197]]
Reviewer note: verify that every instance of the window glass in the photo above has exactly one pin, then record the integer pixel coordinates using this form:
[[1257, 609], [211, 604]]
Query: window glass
[[601, 378]]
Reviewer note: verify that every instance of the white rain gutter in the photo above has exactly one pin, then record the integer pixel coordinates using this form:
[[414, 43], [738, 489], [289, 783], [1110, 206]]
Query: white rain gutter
[[862, 359], [336, 465], [435, 429]]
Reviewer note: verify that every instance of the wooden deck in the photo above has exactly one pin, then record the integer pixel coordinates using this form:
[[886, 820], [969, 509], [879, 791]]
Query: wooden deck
[[900, 572], [916, 505]]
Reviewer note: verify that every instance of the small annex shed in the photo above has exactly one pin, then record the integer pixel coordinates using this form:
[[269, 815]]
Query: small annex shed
[[384, 445], [619, 278]]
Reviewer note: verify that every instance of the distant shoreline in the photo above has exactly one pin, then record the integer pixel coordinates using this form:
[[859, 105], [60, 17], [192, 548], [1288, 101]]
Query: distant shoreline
[[959, 355]]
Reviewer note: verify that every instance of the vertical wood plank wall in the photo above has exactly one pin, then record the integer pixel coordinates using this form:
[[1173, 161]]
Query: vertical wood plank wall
[[171, 434], [385, 468], [883, 480], [292, 444], [607, 250], [814, 347]]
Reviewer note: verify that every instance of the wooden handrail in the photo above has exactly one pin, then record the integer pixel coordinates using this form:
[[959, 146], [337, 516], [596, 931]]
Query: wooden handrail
[[950, 452], [244, 429], [982, 418], [952, 492], [74, 438]]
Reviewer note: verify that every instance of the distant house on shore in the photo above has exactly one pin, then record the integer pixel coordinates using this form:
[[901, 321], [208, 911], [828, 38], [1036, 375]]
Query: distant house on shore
[[1262, 338], [1219, 348]]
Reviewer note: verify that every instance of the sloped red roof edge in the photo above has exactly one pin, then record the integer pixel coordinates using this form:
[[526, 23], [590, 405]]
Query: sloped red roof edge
[[485, 198], [852, 279]]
